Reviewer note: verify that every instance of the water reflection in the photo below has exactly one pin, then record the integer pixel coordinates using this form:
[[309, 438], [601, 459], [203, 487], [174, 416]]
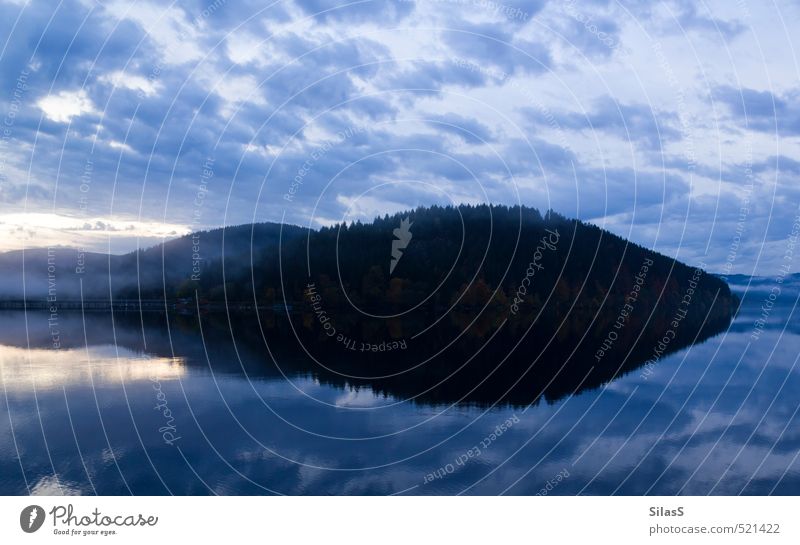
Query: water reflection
[[714, 417], [449, 362], [24, 370]]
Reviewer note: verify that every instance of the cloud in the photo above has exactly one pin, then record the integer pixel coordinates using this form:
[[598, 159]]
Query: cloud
[[689, 17], [381, 11], [147, 86], [176, 38], [494, 45], [636, 123], [762, 111], [453, 100], [678, 17], [595, 33], [469, 130], [428, 77], [65, 105]]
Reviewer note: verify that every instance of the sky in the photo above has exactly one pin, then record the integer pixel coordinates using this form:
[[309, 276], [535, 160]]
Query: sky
[[674, 124]]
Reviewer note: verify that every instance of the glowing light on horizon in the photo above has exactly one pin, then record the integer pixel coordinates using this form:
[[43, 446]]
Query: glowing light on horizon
[[36, 230]]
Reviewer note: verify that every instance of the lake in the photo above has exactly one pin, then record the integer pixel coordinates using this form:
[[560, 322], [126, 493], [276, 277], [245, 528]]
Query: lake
[[93, 405]]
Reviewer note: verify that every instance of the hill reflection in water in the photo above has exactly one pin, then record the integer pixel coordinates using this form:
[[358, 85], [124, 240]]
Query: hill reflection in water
[[399, 358]]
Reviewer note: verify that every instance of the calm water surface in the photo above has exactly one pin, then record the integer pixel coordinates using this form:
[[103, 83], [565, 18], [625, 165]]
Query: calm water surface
[[144, 410]]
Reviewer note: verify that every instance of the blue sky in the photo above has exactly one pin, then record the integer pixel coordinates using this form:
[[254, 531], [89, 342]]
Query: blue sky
[[674, 124]]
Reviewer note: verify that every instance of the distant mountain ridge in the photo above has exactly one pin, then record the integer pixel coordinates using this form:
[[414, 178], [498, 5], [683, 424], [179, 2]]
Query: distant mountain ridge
[[141, 273]]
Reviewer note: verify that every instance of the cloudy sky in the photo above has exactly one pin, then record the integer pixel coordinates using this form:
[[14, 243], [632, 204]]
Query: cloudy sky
[[674, 124]]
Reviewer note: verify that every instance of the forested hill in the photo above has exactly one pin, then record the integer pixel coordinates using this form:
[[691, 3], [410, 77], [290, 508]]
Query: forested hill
[[468, 256]]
